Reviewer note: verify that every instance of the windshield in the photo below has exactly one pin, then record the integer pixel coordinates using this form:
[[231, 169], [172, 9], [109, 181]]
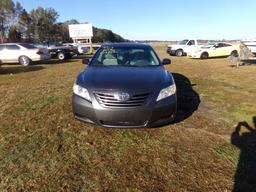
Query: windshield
[[125, 56], [184, 42]]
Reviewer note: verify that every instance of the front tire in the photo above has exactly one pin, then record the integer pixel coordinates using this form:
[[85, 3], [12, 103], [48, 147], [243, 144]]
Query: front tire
[[179, 53], [204, 55], [24, 60], [61, 56]]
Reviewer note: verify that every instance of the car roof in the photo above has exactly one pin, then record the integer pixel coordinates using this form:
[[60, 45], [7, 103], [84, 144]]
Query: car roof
[[9, 43], [223, 43], [15, 43], [216, 42], [127, 44]]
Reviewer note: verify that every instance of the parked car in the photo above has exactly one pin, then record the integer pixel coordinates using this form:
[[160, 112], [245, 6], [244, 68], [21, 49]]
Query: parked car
[[183, 47], [22, 53], [59, 51], [215, 49], [125, 85], [80, 48], [251, 44]]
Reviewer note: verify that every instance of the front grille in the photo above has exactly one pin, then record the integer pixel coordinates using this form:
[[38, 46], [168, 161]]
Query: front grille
[[108, 100]]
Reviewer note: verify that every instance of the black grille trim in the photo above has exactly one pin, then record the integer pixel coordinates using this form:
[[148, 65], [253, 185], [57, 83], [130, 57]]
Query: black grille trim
[[108, 100]]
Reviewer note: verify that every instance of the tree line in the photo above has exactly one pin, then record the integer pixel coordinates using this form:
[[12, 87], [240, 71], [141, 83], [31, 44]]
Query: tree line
[[39, 25]]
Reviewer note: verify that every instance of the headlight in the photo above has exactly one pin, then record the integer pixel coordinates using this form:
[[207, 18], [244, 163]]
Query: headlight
[[166, 92], [82, 92]]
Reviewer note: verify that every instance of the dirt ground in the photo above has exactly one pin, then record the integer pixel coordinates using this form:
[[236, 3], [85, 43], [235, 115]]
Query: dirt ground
[[210, 147]]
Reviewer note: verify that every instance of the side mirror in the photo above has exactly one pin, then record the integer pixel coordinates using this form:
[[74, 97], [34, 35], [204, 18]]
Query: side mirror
[[166, 61], [85, 61]]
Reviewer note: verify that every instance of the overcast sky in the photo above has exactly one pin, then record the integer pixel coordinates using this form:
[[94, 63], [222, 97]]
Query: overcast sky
[[161, 19]]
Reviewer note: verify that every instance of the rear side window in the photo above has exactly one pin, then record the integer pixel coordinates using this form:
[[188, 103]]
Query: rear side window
[[219, 45], [1, 47], [226, 45], [28, 46], [12, 47]]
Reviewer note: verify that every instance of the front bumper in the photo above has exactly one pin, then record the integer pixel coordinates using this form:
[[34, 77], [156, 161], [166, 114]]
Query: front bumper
[[171, 51], [163, 112], [42, 57], [45, 56]]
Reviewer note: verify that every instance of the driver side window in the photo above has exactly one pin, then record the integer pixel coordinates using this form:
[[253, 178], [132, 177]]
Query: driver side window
[[192, 42], [217, 45], [220, 45], [12, 47]]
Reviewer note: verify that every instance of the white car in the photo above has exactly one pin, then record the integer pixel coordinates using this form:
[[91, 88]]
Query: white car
[[22, 53], [220, 49], [251, 44]]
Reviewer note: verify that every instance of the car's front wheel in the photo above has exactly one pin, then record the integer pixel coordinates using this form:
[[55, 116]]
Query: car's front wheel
[[204, 55], [24, 60], [179, 53], [61, 56]]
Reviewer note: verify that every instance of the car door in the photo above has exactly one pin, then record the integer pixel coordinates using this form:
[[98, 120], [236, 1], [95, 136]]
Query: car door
[[12, 53], [190, 46], [227, 49], [217, 50]]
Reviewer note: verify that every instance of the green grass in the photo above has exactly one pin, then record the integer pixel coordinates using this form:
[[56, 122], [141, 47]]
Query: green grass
[[37, 104], [228, 153]]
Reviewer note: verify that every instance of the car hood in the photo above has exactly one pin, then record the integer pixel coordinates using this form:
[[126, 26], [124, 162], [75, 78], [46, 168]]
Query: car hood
[[155, 77]]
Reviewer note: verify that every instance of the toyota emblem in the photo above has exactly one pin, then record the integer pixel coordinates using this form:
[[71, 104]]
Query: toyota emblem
[[122, 96]]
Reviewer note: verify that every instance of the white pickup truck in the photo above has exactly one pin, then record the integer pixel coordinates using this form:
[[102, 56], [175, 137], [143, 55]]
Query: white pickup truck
[[183, 47]]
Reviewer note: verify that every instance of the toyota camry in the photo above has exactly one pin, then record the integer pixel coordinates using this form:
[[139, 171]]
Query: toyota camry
[[125, 85]]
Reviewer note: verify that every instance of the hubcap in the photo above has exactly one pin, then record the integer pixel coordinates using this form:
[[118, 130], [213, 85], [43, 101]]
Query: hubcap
[[24, 60], [61, 56]]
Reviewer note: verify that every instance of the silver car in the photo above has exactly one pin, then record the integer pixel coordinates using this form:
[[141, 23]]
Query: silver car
[[22, 53]]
